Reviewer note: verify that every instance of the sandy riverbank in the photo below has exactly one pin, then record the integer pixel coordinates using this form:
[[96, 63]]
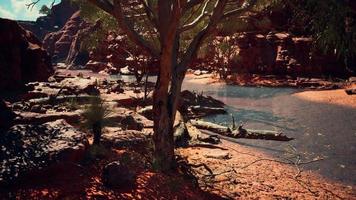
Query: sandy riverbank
[[335, 97], [245, 173]]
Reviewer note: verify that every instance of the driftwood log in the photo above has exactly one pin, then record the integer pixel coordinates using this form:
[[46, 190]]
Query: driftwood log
[[351, 91], [241, 132], [207, 110]]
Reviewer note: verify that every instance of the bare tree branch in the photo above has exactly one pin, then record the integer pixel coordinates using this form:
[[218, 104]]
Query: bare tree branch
[[105, 5], [128, 27], [197, 19], [245, 7], [199, 38], [192, 3], [32, 4], [149, 12]]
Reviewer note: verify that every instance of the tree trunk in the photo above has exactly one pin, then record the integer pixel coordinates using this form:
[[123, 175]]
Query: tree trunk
[[165, 99], [97, 133]]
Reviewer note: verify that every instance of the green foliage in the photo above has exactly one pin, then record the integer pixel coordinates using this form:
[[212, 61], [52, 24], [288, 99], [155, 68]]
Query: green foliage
[[92, 13], [72, 104], [331, 23], [95, 112], [45, 10], [95, 118]]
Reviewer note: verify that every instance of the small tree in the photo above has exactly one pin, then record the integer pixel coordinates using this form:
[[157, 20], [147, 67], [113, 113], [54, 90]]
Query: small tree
[[179, 27], [95, 117], [45, 10]]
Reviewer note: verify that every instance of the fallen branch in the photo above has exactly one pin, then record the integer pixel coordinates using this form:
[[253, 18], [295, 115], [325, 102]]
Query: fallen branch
[[241, 132]]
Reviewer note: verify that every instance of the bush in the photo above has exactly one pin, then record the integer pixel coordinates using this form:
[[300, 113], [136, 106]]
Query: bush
[[95, 117]]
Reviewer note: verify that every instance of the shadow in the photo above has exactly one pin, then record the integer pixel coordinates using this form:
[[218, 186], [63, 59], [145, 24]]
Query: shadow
[[75, 181], [209, 146]]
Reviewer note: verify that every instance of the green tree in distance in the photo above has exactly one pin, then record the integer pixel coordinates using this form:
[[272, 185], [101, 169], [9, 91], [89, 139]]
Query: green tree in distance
[[44, 10]]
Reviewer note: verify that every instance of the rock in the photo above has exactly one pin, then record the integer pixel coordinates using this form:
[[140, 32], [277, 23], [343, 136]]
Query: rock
[[80, 86], [37, 118], [198, 72], [212, 139], [91, 89], [181, 135], [117, 175], [116, 137], [6, 115], [77, 56], [23, 59], [352, 79], [116, 88], [130, 123], [58, 44], [37, 109], [196, 101], [96, 66], [117, 55], [147, 112], [55, 20], [125, 71], [26, 149]]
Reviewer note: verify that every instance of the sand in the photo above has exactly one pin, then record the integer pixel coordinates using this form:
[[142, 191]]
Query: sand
[[335, 97], [251, 174]]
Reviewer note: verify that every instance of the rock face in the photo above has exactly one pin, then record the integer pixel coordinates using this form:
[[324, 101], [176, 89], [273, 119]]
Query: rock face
[[27, 148], [54, 21], [115, 53], [58, 43], [22, 58], [272, 53]]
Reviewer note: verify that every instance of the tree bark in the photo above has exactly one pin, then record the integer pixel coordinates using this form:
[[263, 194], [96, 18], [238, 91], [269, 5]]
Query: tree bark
[[163, 156], [97, 132]]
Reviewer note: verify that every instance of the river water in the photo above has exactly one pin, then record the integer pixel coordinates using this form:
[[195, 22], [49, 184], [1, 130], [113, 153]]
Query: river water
[[320, 130]]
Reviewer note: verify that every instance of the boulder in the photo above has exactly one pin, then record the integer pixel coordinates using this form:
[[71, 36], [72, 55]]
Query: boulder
[[189, 99], [116, 174], [22, 57], [26, 149], [130, 123], [146, 112], [116, 88], [116, 137]]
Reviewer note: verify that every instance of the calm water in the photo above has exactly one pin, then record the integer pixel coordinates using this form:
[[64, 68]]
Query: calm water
[[320, 130]]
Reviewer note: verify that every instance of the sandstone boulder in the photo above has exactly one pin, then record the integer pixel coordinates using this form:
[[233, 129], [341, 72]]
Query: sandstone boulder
[[26, 149], [116, 174], [22, 58]]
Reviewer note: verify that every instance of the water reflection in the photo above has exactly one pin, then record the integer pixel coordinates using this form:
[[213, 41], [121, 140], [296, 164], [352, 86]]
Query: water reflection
[[320, 130]]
